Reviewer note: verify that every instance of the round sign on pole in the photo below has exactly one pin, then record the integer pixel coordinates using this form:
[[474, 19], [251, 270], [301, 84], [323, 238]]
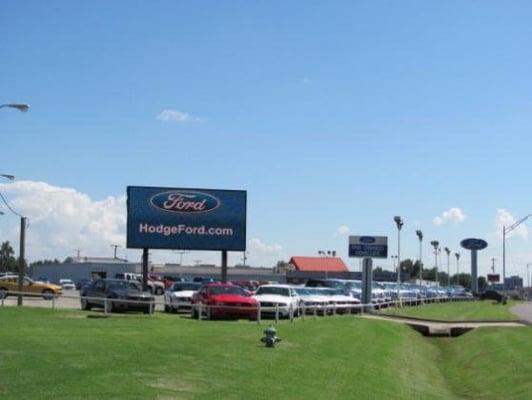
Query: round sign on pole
[[474, 244]]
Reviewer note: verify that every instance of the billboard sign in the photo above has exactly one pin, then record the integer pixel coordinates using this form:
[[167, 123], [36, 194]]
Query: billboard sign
[[368, 246], [191, 219]]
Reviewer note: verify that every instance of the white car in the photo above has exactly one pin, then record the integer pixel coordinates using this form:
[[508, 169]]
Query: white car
[[278, 297], [67, 284], [312, 300], [338, 301], [155, 287], [179, 296]]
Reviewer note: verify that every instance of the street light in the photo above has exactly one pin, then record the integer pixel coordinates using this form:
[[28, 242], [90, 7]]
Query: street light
[[399, 223], [457, 255], [506, 230], [19, 106], [420, 237], [435, 245], [528, 276], [448, 251]]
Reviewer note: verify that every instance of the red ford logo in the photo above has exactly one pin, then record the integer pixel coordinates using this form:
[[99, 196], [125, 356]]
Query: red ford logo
[[185, 202]]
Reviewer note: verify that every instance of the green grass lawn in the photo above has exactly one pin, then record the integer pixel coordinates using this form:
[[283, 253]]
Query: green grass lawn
[[459, 311], [46, 354]]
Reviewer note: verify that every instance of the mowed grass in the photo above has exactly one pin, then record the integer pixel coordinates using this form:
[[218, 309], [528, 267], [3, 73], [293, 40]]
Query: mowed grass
[[50, 355], [459, 311], [46, 354]]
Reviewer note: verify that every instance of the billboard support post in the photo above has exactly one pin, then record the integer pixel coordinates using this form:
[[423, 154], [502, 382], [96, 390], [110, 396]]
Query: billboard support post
[[224, 266], [145, 254]]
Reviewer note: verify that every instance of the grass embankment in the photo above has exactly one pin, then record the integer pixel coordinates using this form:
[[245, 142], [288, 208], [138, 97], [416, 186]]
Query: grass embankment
[[46, 354], [459, 311]]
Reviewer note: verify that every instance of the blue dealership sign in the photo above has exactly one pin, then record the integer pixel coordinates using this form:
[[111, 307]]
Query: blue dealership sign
[[368, 246], [192, 219]]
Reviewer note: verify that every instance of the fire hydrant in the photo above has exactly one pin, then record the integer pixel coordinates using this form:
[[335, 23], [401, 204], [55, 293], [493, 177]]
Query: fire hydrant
[[270, 337]]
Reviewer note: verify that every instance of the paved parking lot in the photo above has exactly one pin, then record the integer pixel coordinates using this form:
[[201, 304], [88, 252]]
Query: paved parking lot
[[69, 300]]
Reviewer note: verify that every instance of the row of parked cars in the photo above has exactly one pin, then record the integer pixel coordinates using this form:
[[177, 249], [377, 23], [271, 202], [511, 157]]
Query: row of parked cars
[[316, 296], [216, 299]]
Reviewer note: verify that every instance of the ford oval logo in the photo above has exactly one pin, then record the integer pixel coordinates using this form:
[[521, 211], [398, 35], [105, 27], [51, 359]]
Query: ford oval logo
[[367, 239], [185, 202], [474, 244]]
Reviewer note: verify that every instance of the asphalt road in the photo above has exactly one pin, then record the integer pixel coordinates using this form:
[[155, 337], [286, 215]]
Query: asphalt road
[[69, 300], [524, 311]]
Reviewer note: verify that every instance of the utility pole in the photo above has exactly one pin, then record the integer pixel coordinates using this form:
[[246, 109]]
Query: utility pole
[[506, 230], [493, 265], [115, 246]]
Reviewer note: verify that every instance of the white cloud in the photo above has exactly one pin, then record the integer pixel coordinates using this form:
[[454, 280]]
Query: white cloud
[[63, 219], [452, 215], [504, 219], [342, 230], [263, 254], [176, 116]]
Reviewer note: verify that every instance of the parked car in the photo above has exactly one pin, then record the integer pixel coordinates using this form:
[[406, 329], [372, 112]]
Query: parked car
[[179, 296], [278, 297], [114, 292], [338, 301], [9, 283], [155, 287], [82, 283], [67, 284], [223, 300], [311, 301]]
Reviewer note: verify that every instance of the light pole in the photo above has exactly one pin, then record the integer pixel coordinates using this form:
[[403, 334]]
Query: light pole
[[528, 275], [394, 259], [506, 230], [457, 255], [420, 237], [19, 106], [448, 252], [399, 223], [435, 245]]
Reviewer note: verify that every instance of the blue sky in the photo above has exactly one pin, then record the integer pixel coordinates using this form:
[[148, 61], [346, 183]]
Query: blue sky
[[328, 113]]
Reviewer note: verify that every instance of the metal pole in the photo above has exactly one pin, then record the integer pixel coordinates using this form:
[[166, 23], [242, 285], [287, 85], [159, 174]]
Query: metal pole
[[448, 269], [145, 269], [398, 257], [504, 257], [224, 266], [420, 261], [21, 263], [436, 263]]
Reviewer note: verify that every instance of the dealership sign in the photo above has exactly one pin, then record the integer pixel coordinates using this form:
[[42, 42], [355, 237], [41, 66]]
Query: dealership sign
[[368, 246], [474, 244], [192, 219]]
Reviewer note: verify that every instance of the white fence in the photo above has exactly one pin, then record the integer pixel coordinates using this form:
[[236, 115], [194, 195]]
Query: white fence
[[203, 311]]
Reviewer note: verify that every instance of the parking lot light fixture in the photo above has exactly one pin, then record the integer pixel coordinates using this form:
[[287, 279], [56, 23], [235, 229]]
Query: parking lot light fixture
[[18, 106], [399, 223], [435, 244], [448, 252], [419, 235], [8, 176]]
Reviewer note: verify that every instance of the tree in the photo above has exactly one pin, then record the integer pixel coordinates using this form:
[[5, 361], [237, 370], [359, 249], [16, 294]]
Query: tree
[[44, 262], [8, 261], [283, 266]]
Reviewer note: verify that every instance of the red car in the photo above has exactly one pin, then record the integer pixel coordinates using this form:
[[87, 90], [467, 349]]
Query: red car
[[217, 300]]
